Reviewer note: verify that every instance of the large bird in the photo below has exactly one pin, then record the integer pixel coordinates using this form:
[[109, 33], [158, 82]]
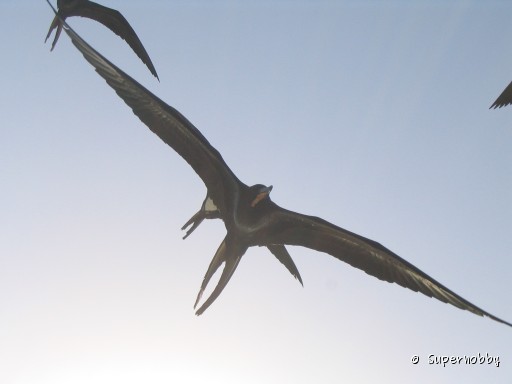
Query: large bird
[[504, 99], [109, 17], [250, 217]]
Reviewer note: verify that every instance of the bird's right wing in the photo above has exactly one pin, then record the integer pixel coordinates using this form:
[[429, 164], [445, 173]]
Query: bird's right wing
[[504, 99], [293, 228]]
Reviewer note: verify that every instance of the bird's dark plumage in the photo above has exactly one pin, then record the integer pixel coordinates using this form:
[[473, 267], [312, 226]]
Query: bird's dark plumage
[[250, 217], [109, 17], [504, 99]]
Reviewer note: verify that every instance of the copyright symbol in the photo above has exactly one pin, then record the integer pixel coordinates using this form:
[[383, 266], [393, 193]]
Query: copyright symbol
[[415, 359]]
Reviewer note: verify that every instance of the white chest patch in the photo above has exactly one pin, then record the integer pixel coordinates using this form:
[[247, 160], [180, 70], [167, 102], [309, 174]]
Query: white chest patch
[[209, 206]]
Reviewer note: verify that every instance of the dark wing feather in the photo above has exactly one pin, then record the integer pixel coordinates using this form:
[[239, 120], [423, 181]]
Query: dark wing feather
[[296, 229], [116, 22], [504, 99], [170, 125], [110, 18]]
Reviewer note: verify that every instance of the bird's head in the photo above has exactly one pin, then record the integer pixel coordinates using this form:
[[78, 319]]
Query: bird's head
[[258, 193]]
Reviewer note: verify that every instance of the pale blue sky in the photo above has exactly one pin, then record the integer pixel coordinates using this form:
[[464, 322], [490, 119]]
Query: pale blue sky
[[372, 115]]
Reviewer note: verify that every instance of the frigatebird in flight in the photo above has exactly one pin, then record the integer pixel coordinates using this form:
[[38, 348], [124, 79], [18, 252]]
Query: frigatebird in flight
[[109, 17], [249, 215], [504, 99]]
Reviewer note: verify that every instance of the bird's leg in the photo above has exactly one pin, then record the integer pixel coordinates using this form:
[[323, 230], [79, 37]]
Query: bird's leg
[[208, 210], [56, 23], [53, 25], [57, 34], [195, 221]]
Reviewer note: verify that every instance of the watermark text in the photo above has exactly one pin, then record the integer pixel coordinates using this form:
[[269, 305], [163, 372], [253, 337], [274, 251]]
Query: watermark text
[[444, 360]]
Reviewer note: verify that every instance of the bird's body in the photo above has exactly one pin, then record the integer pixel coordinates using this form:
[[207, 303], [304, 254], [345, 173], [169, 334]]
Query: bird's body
[[109, 17], [249, 215]]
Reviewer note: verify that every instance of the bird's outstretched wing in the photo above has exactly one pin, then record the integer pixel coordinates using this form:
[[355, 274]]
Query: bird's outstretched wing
[[283, 227], [110, 18], [504, 99], [287, 227], [170, 126]]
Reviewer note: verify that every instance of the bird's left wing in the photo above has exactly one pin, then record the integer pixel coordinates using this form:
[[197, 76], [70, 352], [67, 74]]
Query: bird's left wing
[[110, 18], [287, 227], [117, 23], [170, 125]]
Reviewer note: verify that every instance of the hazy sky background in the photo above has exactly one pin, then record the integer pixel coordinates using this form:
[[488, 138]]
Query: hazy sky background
[[372, 115]]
